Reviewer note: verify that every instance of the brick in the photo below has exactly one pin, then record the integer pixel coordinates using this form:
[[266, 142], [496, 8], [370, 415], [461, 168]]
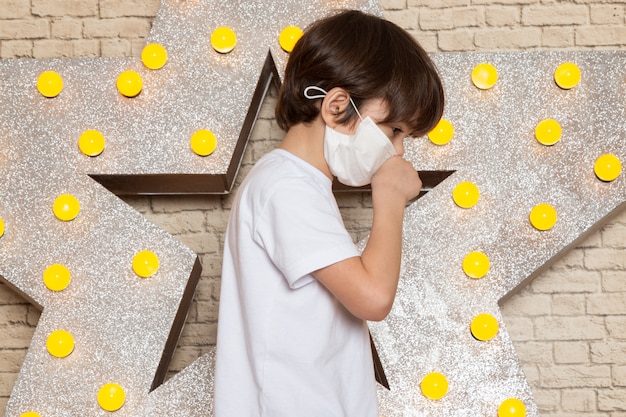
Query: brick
[[616, 326], [130, 27], [529, 305], [608, 352], [200, 242], [561, 37], [509, 2], [198, 334], [571, 352], [393, 4], [14, 313], [574, 259], [522, 38], [502, 16], [537, 353], [547, 399], [16, 336], [436, 4], [12, 360], [458, 40], [593, 240], [557, 15], [569, 328], [576, 376], [605, 258], [181, 222], [125, 8], [428, 40], [450, 18], [610, 303], [569, 305], [406, 19], [137, 46], [56, 8], [53, 48], [24, 29], [183, 357], [572, 281], [15, 49], [612, 399], [606, 14], [66, 29], [86, 48], [207, 311], [614, 236], [7, 382], [578, 400], [600, 35], [619, 375], [14, 9], [115, 47]]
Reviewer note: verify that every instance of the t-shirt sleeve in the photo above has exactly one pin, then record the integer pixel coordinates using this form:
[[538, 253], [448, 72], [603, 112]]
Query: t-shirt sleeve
[[302, 231]]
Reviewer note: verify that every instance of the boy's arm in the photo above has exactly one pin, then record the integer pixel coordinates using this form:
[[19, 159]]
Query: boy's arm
[[366, 285]]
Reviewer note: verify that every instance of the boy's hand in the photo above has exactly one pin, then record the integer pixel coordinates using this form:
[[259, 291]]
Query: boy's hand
[[396, 178]]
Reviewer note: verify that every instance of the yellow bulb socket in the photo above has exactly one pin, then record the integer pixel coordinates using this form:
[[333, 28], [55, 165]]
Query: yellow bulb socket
[[203, 142], [154, 56], [434, 386], [223, 40], [442, 133], [484, 76]]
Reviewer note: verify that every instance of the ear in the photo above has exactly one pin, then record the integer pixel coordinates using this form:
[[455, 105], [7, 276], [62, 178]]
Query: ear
[[334, 105]]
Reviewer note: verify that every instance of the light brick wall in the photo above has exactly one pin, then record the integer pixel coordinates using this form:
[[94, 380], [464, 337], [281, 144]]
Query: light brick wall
[[568, 325]]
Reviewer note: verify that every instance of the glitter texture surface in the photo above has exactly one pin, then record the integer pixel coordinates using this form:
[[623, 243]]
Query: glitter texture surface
[[123, 324]]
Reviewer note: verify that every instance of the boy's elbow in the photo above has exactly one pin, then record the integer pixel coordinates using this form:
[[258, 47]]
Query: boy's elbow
[[377, 309]]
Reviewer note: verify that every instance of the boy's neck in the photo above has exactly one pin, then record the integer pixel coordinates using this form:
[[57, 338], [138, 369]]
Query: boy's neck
[[306, 141]]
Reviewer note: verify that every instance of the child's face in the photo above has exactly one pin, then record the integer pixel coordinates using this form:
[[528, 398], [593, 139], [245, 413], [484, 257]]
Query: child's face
[[377, 110]]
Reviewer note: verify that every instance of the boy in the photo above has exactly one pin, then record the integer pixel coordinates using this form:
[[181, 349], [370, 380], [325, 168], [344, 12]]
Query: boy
[[292, 339]]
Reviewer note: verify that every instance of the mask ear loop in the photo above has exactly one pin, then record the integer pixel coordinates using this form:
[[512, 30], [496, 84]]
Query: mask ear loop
[[322, 94]]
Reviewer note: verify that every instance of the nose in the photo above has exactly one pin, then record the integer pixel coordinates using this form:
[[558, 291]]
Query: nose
[[398, 145]]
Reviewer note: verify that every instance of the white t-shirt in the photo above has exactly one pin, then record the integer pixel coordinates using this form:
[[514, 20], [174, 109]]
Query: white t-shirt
[[285, 346]]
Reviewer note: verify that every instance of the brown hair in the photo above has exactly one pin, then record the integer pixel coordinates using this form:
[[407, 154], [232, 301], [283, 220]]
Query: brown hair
[[370, 58]]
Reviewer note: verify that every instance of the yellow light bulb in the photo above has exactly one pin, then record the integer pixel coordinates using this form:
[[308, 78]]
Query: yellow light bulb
[[607, 167], [203, 142], [484, 327], [442, 133], [66, 207], [49, 84], [288, 37], [476, 265], [57, 277], [548, 132], [91, 142], [129, 83], [543, 216], [154, 56], [111, 397], [223, 39], [465, 194], [60, 343], [512, 407], [434, 386], [484, 76], [145, 263], [30, 414], [567, 75]]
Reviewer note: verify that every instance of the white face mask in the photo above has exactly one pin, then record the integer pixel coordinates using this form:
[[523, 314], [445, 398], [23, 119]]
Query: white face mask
[[354, 159]]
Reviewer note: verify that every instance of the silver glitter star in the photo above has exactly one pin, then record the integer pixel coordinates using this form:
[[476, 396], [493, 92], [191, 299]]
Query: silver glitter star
[[126, 327]]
